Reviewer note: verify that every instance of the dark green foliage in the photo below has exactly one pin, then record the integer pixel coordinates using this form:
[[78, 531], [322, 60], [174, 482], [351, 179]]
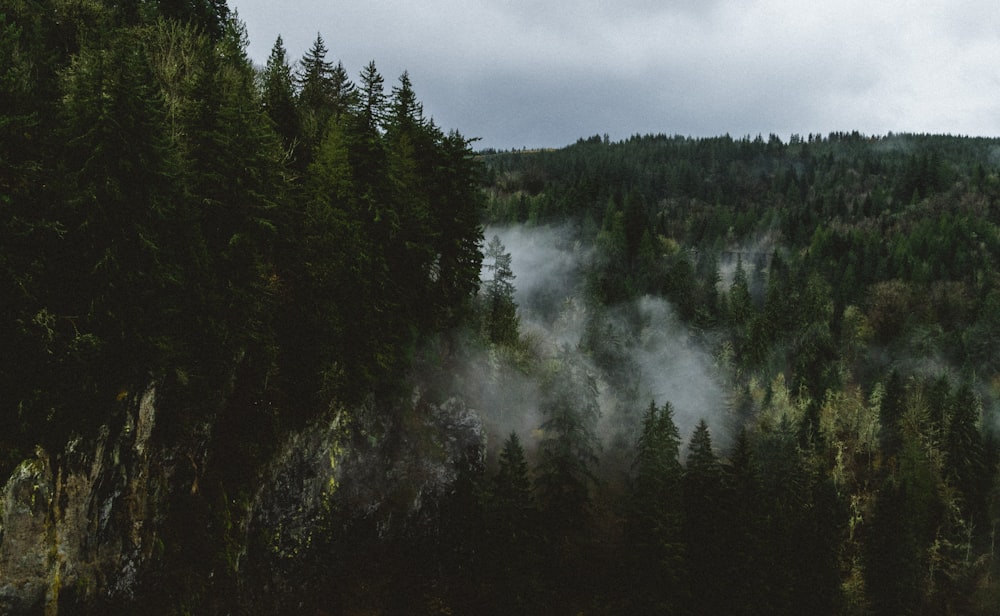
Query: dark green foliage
[[278, 95], [893, 566], [890, 418], [865, 271], [211, 15], [264, 247], [513, 565], [742, 532], [966, 462], [654, 525], [707, 552], [155, 229]]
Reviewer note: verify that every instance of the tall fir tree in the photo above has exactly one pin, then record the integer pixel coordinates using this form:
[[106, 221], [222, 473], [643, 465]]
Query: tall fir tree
[[512, 562], [500, 322], [315, 99], [654, 525], [278, 96], [706, 553]]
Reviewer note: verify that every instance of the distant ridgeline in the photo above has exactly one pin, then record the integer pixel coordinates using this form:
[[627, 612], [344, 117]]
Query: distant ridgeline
[[257, 357]]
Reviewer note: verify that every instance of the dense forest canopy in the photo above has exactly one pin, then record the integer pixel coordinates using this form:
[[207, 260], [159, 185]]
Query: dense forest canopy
[[267, 244], [169, 211], [847, 285]]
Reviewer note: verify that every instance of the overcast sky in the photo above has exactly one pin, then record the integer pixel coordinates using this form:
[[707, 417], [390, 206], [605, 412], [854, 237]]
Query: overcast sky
[[543, 73]]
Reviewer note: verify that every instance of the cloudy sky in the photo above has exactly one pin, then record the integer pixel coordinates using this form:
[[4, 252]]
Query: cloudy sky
[[543, 73]]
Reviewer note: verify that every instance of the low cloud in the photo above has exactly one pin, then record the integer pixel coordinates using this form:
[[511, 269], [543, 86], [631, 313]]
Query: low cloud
[[638, 352]]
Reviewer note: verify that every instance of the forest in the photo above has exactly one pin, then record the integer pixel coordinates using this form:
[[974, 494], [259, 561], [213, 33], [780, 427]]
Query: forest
[[397, 375]]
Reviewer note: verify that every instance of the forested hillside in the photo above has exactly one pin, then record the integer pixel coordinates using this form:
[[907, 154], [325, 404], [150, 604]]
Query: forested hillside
[[847, 288], [260, 358], [172, 214], [254, 245]]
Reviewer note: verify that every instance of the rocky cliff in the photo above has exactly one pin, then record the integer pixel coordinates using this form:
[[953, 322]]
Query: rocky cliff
[[139, 518]]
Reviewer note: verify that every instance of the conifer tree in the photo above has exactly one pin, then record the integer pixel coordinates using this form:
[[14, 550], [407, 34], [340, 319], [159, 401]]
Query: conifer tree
[[122, 288], [513, 558], [742, 532], [570, 447], [965, 456], [740, 301], [279, 94], [655, 521], [706, 554], [890, 415], [500, 322], [314, 78], [315, 97], [345, 93], [372, 99]]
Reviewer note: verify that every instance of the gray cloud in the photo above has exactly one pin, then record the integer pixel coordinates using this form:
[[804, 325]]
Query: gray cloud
[[545, 73]]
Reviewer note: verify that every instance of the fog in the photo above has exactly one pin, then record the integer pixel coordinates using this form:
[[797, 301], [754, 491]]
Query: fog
[[637, 352]]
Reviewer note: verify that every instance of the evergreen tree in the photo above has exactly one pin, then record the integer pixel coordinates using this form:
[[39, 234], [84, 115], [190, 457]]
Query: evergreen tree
[[344, 92], [706, 554], [314, 79], [565, 478], [890, 415], [315, 96], [745, 590], [372, 111], [893, 562], [569, 449], [121, 287], [740, 301], [278, 95], [500, 322], [210, 15], [965, 456], [456, 207], [232, 173], [512, 560], [655, 520]]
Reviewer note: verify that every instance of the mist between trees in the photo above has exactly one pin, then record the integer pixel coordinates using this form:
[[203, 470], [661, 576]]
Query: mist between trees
[[262, 357], [637, 352]]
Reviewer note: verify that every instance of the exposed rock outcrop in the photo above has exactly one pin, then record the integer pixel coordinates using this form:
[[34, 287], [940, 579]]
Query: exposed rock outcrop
[[89, 529], [79, 525]]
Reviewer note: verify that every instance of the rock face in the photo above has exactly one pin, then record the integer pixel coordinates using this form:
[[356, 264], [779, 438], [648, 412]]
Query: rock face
[[99, 526], [77, 523], [333, 490]]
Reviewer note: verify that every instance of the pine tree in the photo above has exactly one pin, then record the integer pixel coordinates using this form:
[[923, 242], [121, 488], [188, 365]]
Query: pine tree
[[890, 416], [209, 15], [314, 78], [278, 95], [456, 207], [706, 554], [315, 97], [893, 558], [740, 302], [965, 456], [123, 286], [500, 322], [372, 99], [345, 93], [742, 533], [569, 449], [513, 558], [655, 519]]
